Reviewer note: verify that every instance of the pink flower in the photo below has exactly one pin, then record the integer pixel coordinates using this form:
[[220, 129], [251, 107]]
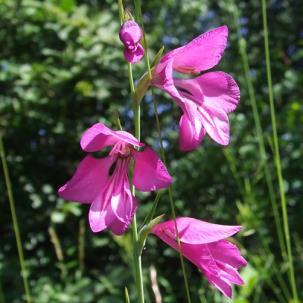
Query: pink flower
[[130, 34], [205, 100], [103, 182], [204, 245]]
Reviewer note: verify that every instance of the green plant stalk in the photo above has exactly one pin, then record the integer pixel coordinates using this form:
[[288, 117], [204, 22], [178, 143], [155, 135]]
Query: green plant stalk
[[172, 205], [266, 250], [24, 272], [248, 191], [170, 192], [277, 156], [259, 132], [136, 254], [137, 264], [127, 300]]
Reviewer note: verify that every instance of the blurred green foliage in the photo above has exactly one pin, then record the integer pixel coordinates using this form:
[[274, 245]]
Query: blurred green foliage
[[62, 69]]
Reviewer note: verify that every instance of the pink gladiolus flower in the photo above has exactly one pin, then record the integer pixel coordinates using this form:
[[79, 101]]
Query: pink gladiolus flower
[[205, 100], [130, 34], [204, 245], [104, 183]]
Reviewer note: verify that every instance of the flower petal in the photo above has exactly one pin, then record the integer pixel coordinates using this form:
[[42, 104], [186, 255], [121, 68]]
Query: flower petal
[[100, 216], [149, 173], [122, 202], [118, 227], [130, 33], [163, 79], [219, 90], [88, 180], [230, 274], [202, 53], [190, 137], [115, 206], [226, 252], [99, 136], [134, 56], [220, 284], [194, 231], [216, 123]]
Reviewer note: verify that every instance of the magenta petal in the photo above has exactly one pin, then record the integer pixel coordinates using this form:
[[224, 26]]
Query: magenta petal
[[130, 33], [220, 284], [228, 253], [230, 274], [163, 79], [194, 231], [149, 173], [219, 90], [99, 136], [216, 123], [202, 53], [123, 203], [100, 217], [88, 180], [115, 206], [118, 227], [189, 138], [203, 244], [134, 56], [190, 89]]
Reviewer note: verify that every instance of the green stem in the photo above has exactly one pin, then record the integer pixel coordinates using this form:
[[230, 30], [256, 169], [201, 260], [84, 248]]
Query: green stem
[[137, 260], [172, 205], [137, 264], [127, 300], [136, 253], [24, 272], [277, 156], [170, 191], [259, 132]]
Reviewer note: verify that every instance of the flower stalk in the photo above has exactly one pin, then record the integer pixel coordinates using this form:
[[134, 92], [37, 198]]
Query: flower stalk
[[24, 272], [259, 131], [138, 11], [137, 264], [277, 156]]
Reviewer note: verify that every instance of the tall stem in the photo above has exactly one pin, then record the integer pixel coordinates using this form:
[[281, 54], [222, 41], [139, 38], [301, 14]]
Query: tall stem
[[24, 272], [170, 190], [172, 204], [136, 253], [136, 109], [277, 156], [259, 132]]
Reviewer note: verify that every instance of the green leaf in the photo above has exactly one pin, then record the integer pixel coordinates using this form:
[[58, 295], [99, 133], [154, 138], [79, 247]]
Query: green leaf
[[158, 56], [144, 81], [141, 88], [146, 229], [67, 5]]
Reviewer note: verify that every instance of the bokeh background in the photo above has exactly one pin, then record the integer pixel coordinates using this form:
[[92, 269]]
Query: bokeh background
[[62, 69]]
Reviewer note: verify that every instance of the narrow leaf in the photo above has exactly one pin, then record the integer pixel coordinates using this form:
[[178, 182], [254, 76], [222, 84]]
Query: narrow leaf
[[146, 229]]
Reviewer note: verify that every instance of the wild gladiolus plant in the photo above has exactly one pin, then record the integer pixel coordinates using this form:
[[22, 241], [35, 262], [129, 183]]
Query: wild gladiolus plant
[[109, 184]]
